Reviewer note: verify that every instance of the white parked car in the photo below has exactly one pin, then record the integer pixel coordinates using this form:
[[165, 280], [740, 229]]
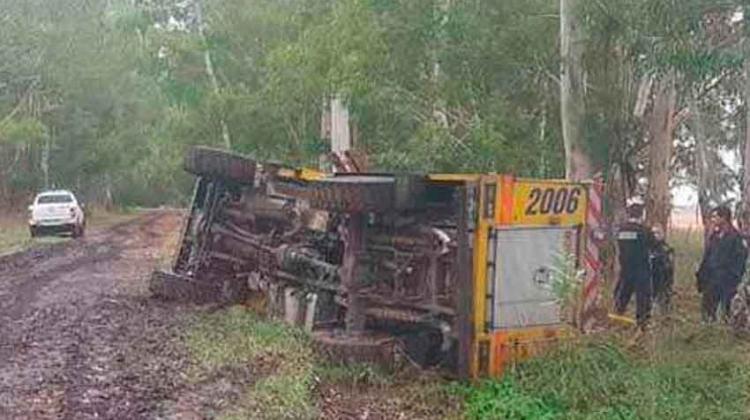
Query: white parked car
[[56, 212]]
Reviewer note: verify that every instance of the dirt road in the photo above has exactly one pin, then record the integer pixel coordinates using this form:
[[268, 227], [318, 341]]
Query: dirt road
[[79, 337]]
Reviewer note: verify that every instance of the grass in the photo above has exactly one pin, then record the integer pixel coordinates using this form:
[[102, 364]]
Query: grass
[[684, 378], [682, 370], [282, 357], [354, 376], [291, 380], [15, 237]]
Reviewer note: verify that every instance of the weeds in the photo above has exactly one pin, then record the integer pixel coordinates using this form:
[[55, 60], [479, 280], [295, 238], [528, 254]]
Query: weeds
[[15, 237], [237, 336], [601, 381], [681, 371], [684, 371], [355, 375], [291, 381], [282, 356], [566, 283], [284, 396]]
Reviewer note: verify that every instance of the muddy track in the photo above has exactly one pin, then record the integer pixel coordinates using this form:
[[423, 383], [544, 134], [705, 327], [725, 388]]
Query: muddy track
[[79, 337]]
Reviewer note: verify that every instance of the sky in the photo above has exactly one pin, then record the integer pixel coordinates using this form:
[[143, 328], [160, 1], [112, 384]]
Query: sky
[[684, 196], [687, 195]]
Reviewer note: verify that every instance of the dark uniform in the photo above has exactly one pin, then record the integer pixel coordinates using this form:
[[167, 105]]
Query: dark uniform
[[721, 271], [634, 242], [662, 274]]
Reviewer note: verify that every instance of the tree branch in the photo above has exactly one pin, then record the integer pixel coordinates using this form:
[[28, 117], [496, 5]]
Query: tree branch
[[685, 113]]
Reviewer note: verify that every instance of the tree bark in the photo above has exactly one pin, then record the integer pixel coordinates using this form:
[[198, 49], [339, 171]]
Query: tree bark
[[44, 161], [661, 126], [440, 15], [578, 163], [706, 194], [744, 216], [210, 72]]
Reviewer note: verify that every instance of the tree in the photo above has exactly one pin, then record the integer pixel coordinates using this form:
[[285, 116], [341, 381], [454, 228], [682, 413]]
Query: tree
[[745, 209], [572, 92], [661, 132]]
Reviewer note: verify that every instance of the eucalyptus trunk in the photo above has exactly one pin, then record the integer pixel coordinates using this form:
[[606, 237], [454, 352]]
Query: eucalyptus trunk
[[744, 216], [210, 71], [707, 196], [661, 127], [578, 163]]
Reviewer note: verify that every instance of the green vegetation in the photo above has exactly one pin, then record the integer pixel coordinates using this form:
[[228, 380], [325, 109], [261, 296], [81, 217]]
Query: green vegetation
[[15, 237], [289, 379], [695, 374], [680, 370], [354, 375], [281, 356], [104, 97]]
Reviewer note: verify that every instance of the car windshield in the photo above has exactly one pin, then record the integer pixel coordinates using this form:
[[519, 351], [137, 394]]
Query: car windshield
[[55, 199]]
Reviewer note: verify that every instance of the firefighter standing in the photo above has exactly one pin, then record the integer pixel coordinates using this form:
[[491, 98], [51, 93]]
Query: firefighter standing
[[662, 270], [634, 242], [723, 265]]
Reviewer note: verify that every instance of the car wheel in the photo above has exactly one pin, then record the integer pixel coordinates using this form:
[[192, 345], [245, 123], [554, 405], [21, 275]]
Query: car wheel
[[33, 232]]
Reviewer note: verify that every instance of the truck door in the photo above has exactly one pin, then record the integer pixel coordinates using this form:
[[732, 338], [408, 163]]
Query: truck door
[[526, 263]]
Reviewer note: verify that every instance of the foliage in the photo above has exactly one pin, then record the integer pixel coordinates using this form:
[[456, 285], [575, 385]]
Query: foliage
[[281, 356], [120, 100], [684, 380], [566, 284], [286, 381], [108, 96], [681, 371], [243, 337], [15, 235], [504, 399], [22, 131]]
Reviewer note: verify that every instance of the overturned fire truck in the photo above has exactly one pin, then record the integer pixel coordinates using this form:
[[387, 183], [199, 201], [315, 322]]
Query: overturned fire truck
[[445, 269]]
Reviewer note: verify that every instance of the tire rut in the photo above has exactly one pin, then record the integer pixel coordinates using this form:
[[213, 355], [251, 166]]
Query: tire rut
[[73, 345]]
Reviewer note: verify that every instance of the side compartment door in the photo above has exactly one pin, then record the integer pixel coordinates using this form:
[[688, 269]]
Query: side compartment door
[[525, 262]]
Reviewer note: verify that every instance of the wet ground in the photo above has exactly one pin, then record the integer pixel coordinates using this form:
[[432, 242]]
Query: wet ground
[[79, 336]]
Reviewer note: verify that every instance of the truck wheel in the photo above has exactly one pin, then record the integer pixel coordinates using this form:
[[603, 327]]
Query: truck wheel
[[215, 163], [174, 287], [368, 193]]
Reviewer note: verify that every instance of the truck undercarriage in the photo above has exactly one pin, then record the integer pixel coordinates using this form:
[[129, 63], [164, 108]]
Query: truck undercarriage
[[367, 262]]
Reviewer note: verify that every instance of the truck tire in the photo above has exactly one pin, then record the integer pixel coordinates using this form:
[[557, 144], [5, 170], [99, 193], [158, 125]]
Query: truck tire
[[222, 164], [368, 193], [175, 287]]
